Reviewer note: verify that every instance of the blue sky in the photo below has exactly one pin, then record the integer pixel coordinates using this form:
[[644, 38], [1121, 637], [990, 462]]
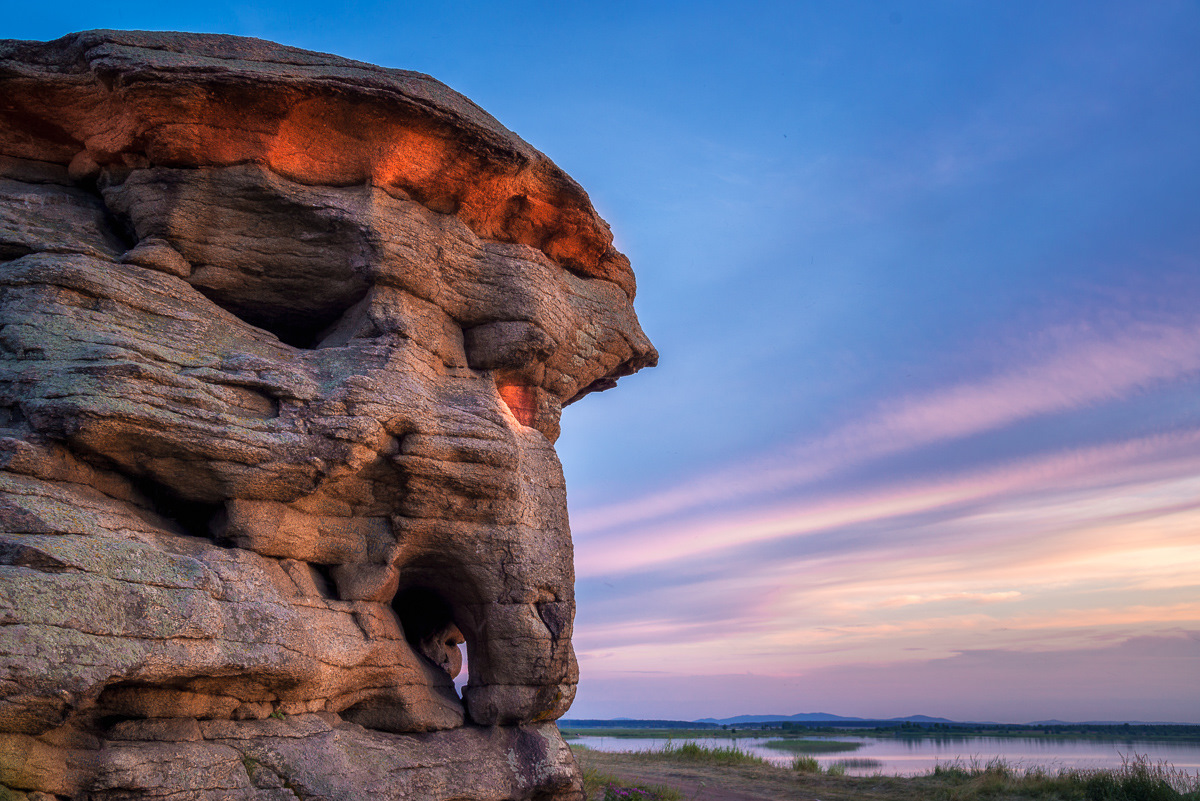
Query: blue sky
[[925, 278]]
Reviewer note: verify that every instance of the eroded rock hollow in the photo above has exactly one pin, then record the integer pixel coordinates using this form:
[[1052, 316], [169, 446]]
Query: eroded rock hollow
[[284, 343]]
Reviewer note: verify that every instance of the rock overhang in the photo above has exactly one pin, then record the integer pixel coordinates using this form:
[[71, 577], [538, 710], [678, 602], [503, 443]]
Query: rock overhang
[[161, 99]]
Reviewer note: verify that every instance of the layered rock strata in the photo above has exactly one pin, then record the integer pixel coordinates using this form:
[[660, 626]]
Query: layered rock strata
[[284, 343]]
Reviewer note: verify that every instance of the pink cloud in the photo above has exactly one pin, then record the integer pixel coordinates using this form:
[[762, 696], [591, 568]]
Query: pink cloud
[[1132, 462], [913, 599], [1076, 375], [1080, 371], [1038, 555], [1042, 554]]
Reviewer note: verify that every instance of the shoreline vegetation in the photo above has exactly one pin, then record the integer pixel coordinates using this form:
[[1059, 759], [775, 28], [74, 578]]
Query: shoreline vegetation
[[689, 770]]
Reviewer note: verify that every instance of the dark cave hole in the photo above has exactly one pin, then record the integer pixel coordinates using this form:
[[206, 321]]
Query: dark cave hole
[[106, 723], [302, 326], [196, 518], [10, 251], [121, 228], [428, 624], [11, 416]]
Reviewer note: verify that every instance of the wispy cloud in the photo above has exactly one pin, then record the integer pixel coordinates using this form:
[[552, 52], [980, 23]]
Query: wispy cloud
[[1065, 551], [912, 599], [674, 541], [784, 566], [1081, 369]]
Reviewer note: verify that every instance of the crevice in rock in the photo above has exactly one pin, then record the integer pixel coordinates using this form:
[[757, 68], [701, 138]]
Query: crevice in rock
[[12, 250], [250, 402], [14, 554], [104, 724], [11, 416], [323, 579], [112, 707], [119, 226], [196, 518], [555, 617], [599, 385]]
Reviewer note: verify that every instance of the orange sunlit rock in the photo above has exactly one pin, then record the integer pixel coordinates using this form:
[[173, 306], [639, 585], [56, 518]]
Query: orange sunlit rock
[[387, 127], [314, 145], [521, 401]]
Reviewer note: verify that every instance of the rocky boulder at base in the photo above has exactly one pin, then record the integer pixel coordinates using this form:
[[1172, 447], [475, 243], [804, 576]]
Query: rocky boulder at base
[[284, 343]]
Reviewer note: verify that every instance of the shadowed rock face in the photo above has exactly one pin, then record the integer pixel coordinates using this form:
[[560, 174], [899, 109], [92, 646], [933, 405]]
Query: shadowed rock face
[[285, 341]]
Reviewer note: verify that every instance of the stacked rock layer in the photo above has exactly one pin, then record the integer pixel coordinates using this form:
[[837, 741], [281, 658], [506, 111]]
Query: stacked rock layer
[[284, 343]]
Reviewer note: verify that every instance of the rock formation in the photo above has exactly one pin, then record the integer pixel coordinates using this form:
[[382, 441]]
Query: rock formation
[[284, 343]]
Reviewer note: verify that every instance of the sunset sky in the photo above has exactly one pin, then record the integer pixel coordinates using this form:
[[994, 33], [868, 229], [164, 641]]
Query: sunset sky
[[925, 278]]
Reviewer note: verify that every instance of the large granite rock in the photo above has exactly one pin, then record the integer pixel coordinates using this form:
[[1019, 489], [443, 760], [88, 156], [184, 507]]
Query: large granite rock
[[285, 341]]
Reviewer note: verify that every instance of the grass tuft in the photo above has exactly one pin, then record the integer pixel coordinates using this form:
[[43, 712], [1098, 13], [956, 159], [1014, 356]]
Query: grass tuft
[[594, 781], [1137, 780], [607, 787], [859, 762], [805, 764], [708, 754]]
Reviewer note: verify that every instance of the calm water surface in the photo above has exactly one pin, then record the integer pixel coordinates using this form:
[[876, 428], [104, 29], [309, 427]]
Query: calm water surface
[[905, 757]]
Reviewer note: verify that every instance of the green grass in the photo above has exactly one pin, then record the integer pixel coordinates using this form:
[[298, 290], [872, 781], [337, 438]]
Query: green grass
[[593, 780], [996, 780], [812, 746], [805, 764], [1138, 780], [690, 751], [859, 763], [599, 786]]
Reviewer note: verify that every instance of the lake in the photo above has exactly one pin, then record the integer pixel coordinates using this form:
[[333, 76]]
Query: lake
[[906, 757]]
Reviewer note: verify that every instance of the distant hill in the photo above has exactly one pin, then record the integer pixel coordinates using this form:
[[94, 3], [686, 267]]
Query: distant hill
[[819, 717], [1107, 723]]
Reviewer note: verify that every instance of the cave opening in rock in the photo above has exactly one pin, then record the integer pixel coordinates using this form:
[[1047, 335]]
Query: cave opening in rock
[[11, 416], [10, 251], [196, 518], [301, 323], [428, 624]]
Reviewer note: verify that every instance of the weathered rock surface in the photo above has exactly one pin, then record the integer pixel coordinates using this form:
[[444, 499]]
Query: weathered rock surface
[[284, 343]]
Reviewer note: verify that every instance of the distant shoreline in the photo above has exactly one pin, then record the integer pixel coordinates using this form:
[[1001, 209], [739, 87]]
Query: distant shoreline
[[1118, 733]]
